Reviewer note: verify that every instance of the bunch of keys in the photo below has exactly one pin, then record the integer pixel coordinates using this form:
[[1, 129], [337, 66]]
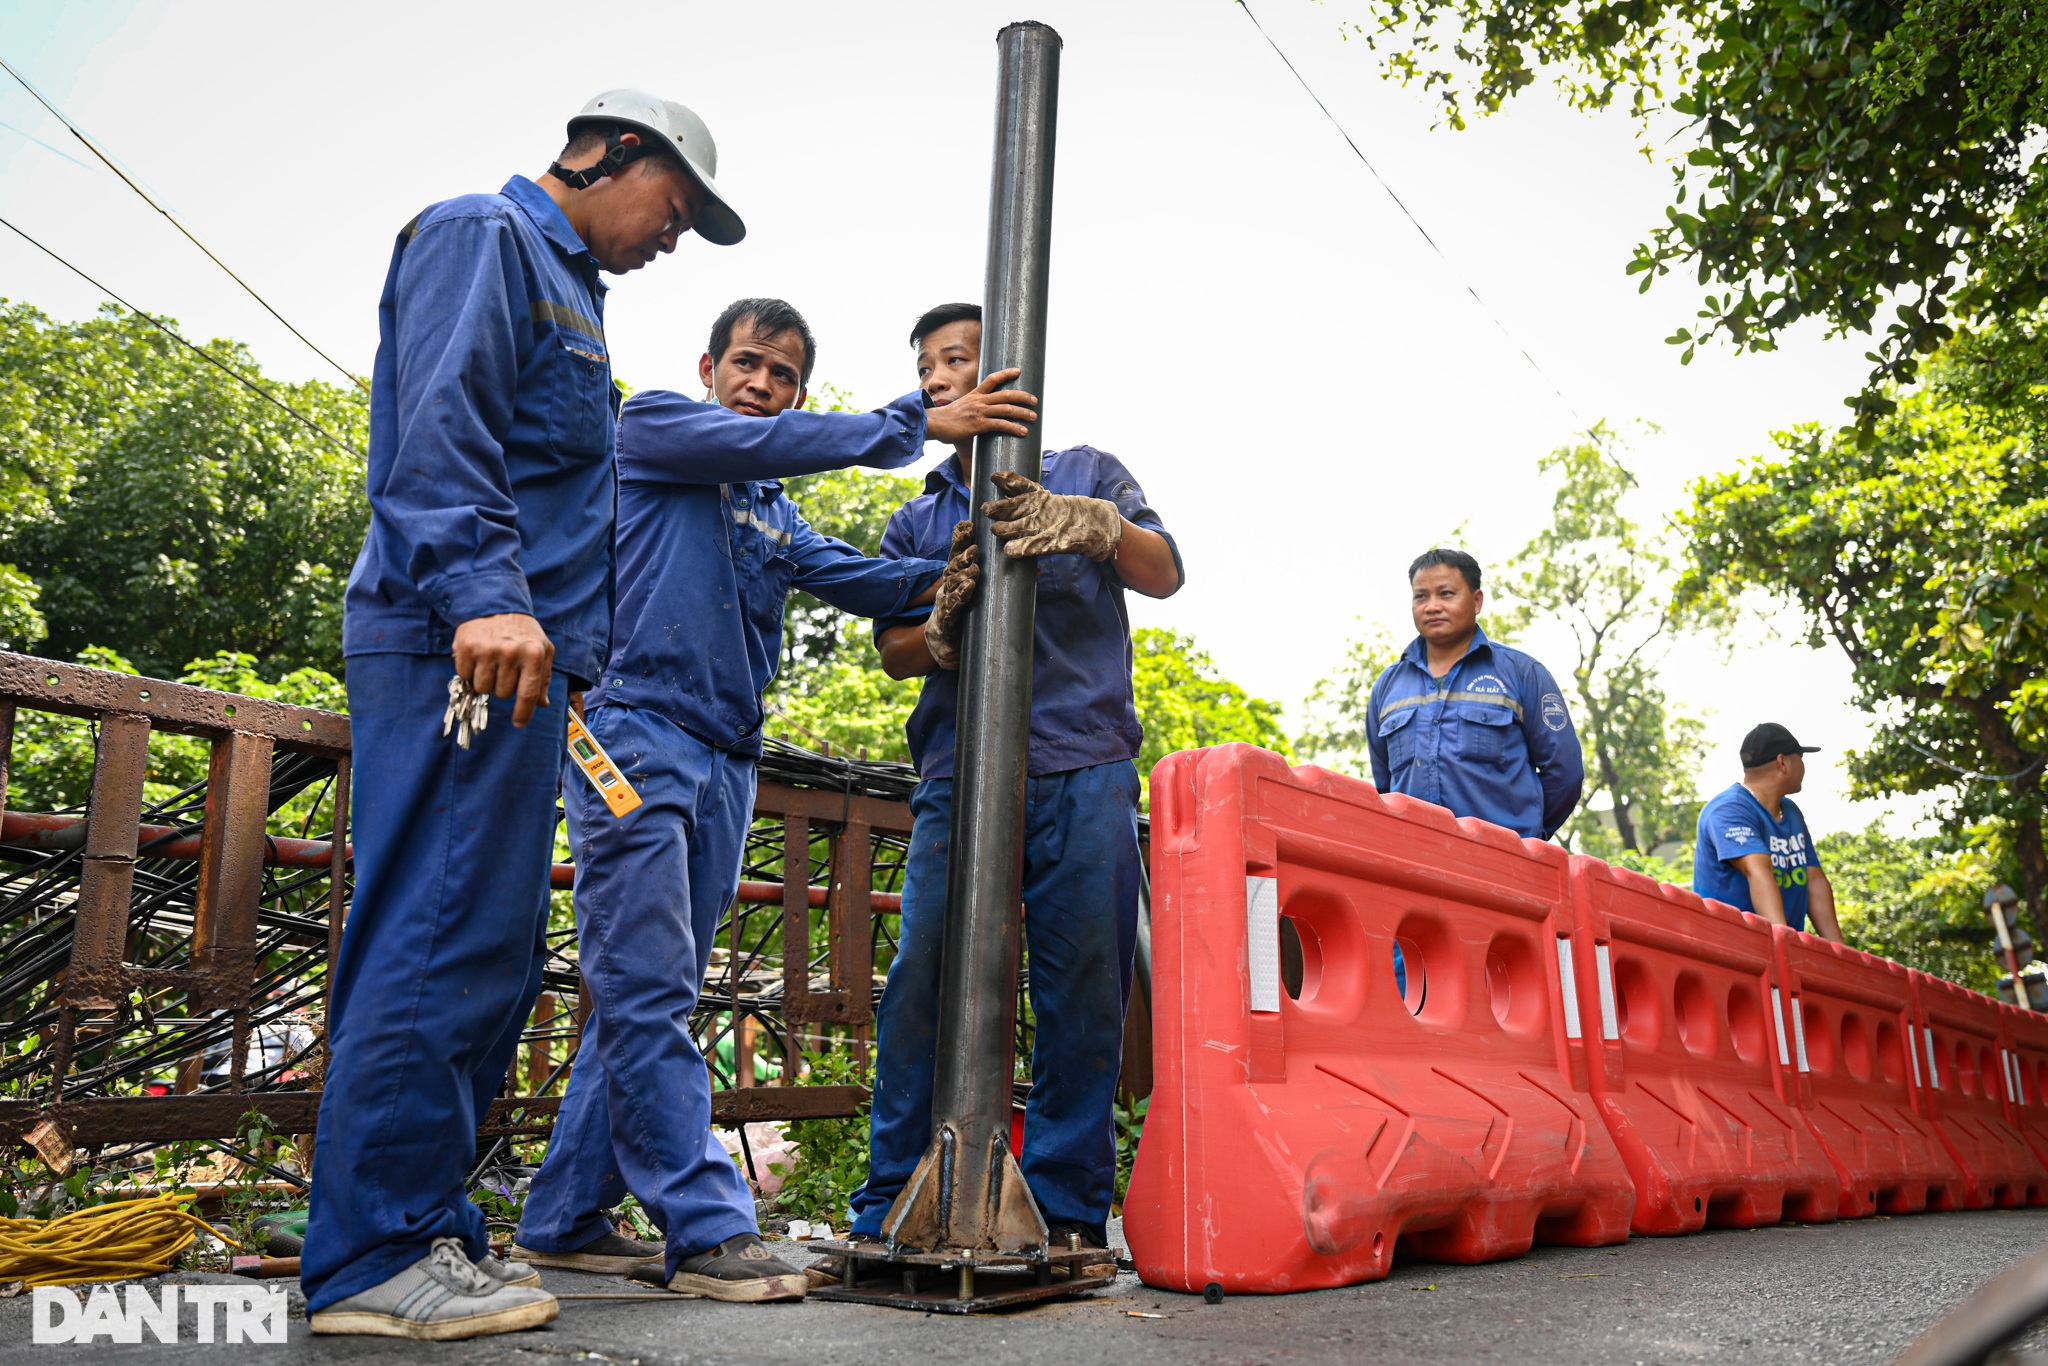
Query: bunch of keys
[[468, 711]]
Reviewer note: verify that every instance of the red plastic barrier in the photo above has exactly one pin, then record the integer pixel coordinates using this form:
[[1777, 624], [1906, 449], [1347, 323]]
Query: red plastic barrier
[[1675, 995], [2026, 1060], [1847, 1036], [1308, 1117], [1965, 1033]]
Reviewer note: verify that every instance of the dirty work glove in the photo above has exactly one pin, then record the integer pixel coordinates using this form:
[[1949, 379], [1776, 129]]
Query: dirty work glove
[[1030, 521], [956, 591]]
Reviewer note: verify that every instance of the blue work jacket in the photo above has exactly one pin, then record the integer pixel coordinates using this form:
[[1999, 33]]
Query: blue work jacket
[[1492, 738], [1082, 712], [709, 547], [491, 420]]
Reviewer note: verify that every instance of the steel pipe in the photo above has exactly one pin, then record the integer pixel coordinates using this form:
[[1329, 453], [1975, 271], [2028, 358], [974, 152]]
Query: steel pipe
[[968, 1192]]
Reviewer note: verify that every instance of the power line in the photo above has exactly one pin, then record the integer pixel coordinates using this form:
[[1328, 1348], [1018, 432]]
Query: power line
[[108, 161], [1585, 427], [173, 334]]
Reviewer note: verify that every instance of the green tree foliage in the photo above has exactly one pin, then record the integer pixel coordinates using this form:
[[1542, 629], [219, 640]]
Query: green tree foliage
[[1185, 701], [1917, 901], [1838, 154], [1885, 551], [162, 510], [1333, 733], [1595, 570]]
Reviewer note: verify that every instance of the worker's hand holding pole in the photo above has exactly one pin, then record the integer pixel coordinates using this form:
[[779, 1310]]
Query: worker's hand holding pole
[[956, 591], [987, 408]]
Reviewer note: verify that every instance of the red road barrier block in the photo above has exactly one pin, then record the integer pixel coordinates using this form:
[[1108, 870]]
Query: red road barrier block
[[1965, 1034], [1675, 996], [1847, 1041], [2026, 1062], [1308, 1116]]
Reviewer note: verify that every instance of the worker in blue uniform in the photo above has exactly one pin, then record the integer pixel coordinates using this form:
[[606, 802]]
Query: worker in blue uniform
[[709, 547], [491, 493], [1467, 723], [1093, 535]]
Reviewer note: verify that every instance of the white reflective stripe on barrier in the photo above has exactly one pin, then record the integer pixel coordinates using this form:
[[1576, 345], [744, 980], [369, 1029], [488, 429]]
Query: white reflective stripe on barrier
[[1608, 1028], [1262, 940], [2014, 1090], [1568, 983], [1799, 1034], [1933, 1067], [2019, 1081], [1778, 1014], [1913, 1052]]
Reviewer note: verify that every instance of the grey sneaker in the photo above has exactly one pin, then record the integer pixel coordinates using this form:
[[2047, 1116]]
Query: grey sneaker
[[440, 1297], [507, 1273], [610, 1254], [739, 1270]]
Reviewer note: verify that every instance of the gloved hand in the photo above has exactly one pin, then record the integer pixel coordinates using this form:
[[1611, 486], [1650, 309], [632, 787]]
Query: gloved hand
[[956, 591], [1030, 521]]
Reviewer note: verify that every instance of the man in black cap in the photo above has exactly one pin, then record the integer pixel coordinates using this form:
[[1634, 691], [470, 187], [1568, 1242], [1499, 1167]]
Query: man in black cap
[[1754, 852]]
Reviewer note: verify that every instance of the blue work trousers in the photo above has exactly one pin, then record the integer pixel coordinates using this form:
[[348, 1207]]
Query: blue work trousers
[[1080, 929], [650, 889], [440, 965]]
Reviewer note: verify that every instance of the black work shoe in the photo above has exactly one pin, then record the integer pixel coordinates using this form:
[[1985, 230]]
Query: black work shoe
[[608, 1254], [739, 1270], [831, 1269]]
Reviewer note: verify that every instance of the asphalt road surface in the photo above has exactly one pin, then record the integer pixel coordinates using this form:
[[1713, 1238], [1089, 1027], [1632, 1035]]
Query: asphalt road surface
[[1851, 1292]]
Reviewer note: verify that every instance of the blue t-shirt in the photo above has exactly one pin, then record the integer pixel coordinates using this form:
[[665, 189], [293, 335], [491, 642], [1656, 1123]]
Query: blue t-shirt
[[1735, 823]]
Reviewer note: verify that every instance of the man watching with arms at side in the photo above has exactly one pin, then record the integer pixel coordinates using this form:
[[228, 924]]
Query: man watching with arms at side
[[1093, 536], [1753, 850], [1467, 723], [491, 494], [709, 548]]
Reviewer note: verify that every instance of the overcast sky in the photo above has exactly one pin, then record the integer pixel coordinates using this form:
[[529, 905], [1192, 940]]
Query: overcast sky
[[1307, 391]]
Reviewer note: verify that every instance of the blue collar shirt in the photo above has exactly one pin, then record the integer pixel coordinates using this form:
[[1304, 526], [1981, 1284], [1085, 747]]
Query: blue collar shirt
[[1082, 710], [491, 427], [1492, 738], [709, 547]]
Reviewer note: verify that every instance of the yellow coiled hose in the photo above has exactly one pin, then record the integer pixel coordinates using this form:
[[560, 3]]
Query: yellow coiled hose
[[115, 1242]]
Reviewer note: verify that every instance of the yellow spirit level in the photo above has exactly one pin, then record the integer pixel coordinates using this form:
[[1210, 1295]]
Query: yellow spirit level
[[597, 766]]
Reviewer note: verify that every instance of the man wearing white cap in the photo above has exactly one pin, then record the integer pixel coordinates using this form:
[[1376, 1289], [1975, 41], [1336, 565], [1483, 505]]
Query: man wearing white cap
[[491, 482]]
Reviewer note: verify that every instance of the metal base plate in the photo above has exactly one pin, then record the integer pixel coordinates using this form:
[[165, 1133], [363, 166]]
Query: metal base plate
[[933, 1282]]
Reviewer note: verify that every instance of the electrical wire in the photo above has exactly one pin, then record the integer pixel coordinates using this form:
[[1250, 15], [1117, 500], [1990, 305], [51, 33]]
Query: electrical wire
[[122, 1241], [172, 219], [1968, 774], [172, 333], [1587, 429]]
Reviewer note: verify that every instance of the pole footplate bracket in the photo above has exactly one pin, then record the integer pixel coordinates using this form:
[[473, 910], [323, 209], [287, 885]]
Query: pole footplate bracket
[[962, 1282]]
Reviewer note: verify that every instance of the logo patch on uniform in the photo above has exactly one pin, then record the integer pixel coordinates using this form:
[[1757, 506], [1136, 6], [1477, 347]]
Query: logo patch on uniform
[[1124, 492], [1741, 834], [1554, 714], [1486, 683]]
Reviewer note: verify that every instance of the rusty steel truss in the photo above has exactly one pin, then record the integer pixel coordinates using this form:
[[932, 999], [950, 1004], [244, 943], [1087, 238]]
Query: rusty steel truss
[[164, 953], [147, 940]]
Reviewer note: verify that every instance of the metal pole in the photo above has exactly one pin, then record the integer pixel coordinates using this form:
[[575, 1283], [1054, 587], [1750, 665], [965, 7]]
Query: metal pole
[[968, 1192]]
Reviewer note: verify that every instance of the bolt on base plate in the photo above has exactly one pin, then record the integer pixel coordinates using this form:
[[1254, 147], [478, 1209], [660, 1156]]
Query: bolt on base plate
[[962, 1282]]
